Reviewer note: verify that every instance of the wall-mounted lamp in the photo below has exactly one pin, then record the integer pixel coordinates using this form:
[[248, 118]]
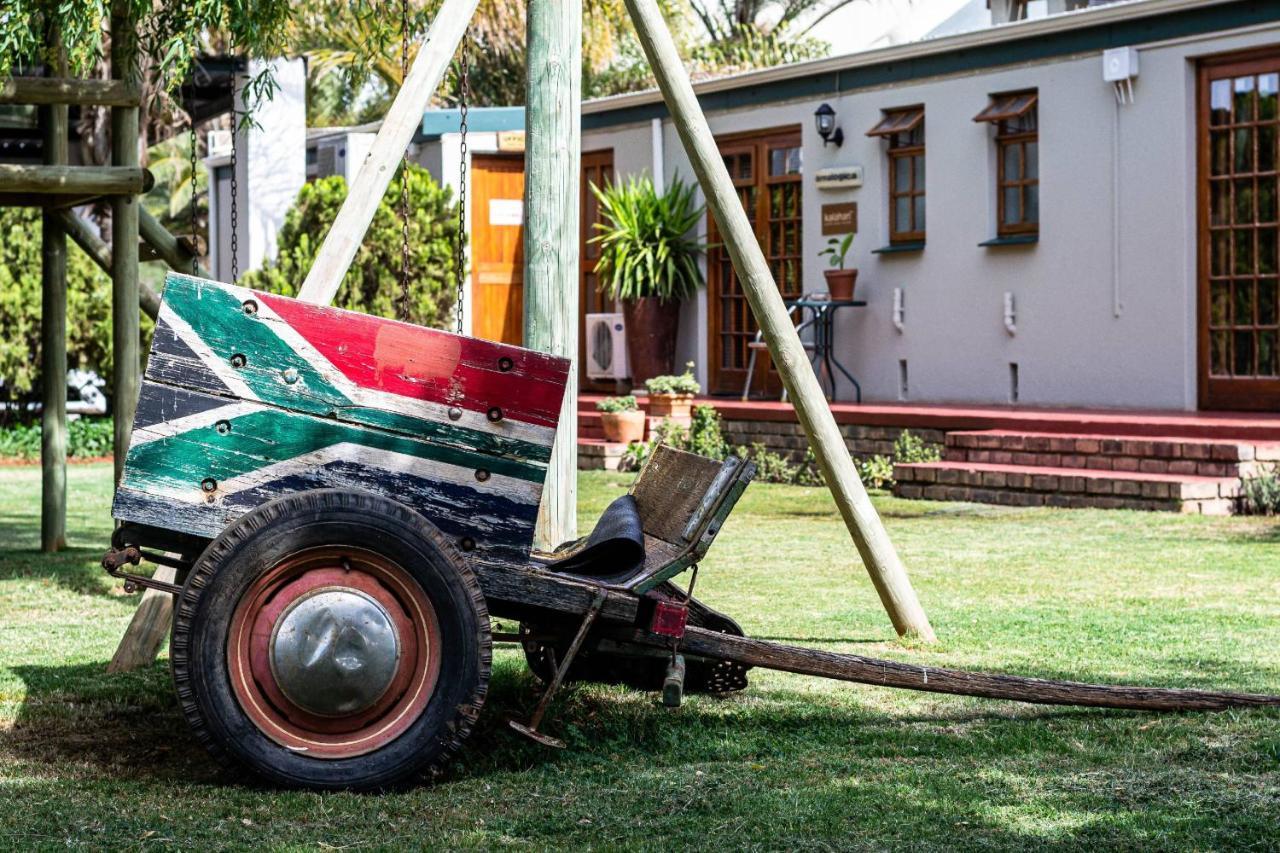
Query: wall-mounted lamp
[[825, 117]]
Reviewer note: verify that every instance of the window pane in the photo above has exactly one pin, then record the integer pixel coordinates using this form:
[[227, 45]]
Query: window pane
[[917, 163], [1012, 206], [1243, 315], [1244, 100], [1243, 252], [1267, 302], [1268, 84], [902, 213], [1219, 152], [784, 161], [901, 175], [1219, 352], [1220, 102], [1219, 203], [1219, 303], [1221, 253], [1242, 353], [1242, 143], [1031, 204], [1244, 201], [919, 202], [1267, 200], [1267, 148], [1012, 162], [1032, 152], [1267, 251], [1267, 354]]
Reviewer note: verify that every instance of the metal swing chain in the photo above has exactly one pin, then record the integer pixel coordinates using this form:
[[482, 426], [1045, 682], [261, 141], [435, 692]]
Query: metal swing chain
[[460, 262], [403, 303], [235, 195]]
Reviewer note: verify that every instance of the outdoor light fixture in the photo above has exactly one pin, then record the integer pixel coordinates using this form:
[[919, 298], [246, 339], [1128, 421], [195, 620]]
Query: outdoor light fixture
[[826, 119]]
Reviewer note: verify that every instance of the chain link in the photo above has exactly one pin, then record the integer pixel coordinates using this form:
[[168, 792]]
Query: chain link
[[235, 195], [460, 262], [404, 302], [195, 198]]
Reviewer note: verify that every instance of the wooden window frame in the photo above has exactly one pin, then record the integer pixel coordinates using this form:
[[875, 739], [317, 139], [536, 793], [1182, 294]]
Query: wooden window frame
[[904, 129], [1005, 111]]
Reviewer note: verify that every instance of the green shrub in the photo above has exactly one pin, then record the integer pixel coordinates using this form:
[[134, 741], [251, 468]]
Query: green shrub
[[704, 435], [87, 438], [770, 467], [909, 449], [685, 383], [372, 285], [1261, 495], [875, 472], [613, 405], [88, 308]]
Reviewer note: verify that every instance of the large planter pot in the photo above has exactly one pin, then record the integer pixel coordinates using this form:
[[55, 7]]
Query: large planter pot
[[623, 427], [676, 407], [651, 337], [840, 284]]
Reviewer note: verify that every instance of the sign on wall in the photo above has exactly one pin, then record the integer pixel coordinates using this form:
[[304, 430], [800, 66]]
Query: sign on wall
[[511, 140], [840, 218], [838, 177], [506, 211]]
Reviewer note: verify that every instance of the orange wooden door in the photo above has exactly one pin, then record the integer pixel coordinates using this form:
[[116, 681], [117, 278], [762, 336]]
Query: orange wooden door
[[497, 248], [597, 168]]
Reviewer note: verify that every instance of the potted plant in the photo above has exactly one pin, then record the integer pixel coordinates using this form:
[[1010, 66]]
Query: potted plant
[[621, 419], [840, 281], [649, 261], [671, 397]]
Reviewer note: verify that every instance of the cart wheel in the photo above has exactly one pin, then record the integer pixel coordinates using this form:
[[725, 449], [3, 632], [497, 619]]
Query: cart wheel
[[332, 639]]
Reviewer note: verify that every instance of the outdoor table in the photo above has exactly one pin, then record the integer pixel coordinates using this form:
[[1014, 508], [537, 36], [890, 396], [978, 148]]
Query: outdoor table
[[820, 317]]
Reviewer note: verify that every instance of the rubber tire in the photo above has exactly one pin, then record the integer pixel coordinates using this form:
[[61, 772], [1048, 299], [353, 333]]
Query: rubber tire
[[260, 540]]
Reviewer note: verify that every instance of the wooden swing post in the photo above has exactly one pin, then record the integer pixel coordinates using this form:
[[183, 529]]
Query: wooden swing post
[[868, 532], [552, 168], [125, 347], [53, 333]]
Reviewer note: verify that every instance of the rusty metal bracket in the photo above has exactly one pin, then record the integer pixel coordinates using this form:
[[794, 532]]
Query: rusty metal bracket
[[131, 555]]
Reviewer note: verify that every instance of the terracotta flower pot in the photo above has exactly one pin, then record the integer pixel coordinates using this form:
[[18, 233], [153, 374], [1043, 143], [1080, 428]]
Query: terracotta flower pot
[[677, 407], [623, 427], [651, 337], [840, 283]]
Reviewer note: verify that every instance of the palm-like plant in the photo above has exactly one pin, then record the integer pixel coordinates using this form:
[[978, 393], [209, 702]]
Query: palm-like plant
[[646, 243]]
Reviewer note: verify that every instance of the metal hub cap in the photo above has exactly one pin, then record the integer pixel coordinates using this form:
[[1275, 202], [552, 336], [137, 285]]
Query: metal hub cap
[[335, 651]]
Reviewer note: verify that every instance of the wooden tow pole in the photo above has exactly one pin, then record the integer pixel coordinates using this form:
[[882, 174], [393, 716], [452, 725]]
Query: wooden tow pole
[[552, 168], [878, 554], [402, 120]]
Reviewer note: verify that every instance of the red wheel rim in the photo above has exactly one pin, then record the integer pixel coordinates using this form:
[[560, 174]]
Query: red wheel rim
[[410, 617]]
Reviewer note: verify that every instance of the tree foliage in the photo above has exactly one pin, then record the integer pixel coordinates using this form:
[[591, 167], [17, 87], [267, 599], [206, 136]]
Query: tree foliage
[[372, 284], [88, 307]]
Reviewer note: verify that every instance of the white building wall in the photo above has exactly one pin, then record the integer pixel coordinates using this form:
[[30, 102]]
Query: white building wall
[[1072, 347]]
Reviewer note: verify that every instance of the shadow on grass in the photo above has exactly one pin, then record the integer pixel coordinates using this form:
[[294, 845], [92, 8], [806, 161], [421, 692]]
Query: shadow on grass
[[75, 569]]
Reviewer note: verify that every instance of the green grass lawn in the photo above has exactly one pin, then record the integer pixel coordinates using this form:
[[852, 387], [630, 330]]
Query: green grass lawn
[[88, 759]]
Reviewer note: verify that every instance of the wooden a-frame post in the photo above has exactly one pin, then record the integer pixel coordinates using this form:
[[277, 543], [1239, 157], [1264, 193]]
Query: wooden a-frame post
[[552, 169], [872, 540]]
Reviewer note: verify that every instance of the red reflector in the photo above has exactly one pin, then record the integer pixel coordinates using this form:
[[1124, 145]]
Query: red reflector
[[669, 619]]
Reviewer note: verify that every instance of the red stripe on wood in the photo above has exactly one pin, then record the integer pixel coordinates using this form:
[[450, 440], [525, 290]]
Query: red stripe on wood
[[431, 365]]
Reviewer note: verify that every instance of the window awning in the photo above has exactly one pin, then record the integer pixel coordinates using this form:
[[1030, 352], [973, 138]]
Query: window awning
[[1006, 107], [894, 122]]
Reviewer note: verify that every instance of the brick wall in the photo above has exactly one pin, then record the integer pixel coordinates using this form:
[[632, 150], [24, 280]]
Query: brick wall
[[788, 439]]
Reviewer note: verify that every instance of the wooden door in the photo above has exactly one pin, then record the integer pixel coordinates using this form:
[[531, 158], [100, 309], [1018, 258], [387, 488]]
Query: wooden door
[[766, 171], [597, 168], [497, 248], [1239, 225]]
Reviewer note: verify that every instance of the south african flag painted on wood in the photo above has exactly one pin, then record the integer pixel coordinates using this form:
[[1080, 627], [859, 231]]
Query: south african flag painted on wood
[[249, 396]]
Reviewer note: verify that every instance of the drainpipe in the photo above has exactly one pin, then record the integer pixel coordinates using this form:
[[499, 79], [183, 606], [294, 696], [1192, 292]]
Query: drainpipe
[[898, 310], [659, 155], [1009, 315]]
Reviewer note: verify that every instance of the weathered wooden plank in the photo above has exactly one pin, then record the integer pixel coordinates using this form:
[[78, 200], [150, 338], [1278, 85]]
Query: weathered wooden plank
[[865, 527], [75, 180], [67, 91], [670, 490], [511, 590]]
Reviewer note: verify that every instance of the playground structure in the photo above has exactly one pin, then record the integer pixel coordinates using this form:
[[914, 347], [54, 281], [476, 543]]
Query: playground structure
[[347, 500]]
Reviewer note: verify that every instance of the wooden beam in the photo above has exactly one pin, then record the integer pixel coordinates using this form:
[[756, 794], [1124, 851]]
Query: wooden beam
[[100, 253], [171, 249], [76, 180], [868, 532], [148, 628], [64, 91], [552, 168], [53, 340], [402, 121]]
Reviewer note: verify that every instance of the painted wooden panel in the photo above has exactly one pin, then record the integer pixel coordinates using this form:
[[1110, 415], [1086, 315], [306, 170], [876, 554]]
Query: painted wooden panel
[[249, 396], [497, 248]]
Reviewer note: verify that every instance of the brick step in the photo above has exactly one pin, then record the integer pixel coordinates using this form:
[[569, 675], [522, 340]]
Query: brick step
[[599, 455], [1032, 485]]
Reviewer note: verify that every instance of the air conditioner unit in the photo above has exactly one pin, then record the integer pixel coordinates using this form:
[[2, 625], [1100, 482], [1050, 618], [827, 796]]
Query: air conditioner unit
[[606, 349]]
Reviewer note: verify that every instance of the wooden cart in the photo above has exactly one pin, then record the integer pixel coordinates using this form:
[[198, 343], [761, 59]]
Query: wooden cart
[[349, 500]]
